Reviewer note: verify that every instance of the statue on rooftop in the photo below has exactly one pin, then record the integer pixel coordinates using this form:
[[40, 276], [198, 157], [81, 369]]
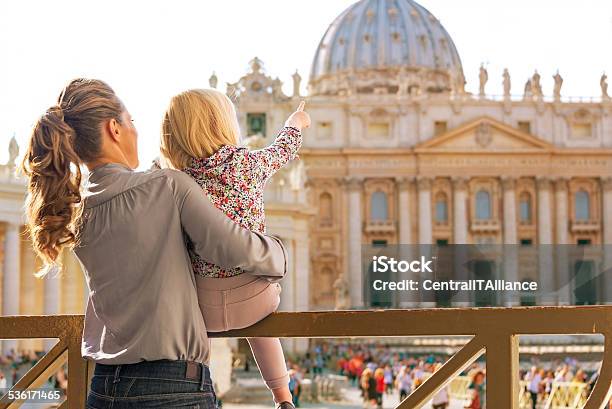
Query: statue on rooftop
[[13, 149], [213, 80], [297, 79], [603, 82], [483, 77], [558, 84], [507, 83], [536, 87]]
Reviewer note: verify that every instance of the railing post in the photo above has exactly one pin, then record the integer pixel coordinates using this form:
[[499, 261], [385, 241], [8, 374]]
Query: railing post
[[502, 357], [77, 373]]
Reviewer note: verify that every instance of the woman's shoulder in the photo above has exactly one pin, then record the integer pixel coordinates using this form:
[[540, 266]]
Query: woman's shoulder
[[178, 181]]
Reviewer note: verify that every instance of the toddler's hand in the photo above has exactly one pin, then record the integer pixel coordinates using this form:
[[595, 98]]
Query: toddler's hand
[[299, 119]]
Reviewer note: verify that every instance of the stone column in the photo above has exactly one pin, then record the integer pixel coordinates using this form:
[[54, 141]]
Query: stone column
[[354, 220], [510, 251], [562, 216], [562, 244], [12, 272], [460, 216], [606, 184], [405, 224], [425, 233], [508, 185], [406, 299], [425, 228], [546, 277]]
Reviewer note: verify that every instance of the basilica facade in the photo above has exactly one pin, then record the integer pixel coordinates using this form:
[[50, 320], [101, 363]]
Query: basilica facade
[[398, 152]]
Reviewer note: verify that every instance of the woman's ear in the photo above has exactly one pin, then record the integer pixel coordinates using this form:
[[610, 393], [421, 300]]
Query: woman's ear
[[114, 129]]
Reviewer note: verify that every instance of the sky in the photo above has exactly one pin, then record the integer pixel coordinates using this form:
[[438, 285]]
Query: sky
[[149, 51]]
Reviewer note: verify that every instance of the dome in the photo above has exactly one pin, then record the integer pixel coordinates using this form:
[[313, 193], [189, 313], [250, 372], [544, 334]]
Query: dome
[[386, 37]]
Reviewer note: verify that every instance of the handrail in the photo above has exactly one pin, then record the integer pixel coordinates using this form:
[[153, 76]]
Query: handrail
[[494, 331]]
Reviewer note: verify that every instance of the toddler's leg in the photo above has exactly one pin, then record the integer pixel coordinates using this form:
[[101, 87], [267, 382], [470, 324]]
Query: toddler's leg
[[269, 356]]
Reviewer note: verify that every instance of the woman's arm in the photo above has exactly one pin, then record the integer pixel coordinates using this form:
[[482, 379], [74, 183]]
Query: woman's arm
[[219, 240], [263, 163]]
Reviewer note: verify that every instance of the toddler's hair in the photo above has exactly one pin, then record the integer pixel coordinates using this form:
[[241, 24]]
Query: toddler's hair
[[196, 124]]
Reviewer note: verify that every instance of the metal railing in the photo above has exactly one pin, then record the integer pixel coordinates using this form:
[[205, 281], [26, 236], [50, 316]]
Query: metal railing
[[493, 330]]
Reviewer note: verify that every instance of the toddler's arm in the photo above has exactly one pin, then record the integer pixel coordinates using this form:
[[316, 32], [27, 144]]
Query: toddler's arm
[[263, 163]]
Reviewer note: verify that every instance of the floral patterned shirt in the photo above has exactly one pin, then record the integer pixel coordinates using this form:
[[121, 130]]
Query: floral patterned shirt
[[234, 179]]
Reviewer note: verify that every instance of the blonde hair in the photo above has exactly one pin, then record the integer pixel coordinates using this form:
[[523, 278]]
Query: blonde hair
[[196, 124]]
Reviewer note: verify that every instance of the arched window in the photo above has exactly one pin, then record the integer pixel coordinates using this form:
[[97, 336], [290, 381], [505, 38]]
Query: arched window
[[582, 209], [441, 208], [379, 208], [525, 208], [325, 208], [483, 205]]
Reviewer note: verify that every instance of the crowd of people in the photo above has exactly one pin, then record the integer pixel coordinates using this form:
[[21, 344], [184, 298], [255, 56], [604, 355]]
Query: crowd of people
[[380, 371], [16, 363], [540, 378]]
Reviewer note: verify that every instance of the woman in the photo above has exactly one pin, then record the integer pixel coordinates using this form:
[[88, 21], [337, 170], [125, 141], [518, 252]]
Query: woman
[[478, 398], [143, 327]]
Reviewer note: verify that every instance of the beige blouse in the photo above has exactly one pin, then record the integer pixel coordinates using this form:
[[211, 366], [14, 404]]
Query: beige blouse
[[142, 294]]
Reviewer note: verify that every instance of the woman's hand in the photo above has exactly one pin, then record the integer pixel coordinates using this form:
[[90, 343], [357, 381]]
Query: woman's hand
[[299, 119]]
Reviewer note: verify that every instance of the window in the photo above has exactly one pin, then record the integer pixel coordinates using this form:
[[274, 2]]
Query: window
[[379, 243], [439, 127], [378, 129], [583, 242], [524, 126], [582, 206], [525, 208], [526, 242], [483, 205], [324, 130], [379, 208], [442, 242], [441, 208], [256, 124]]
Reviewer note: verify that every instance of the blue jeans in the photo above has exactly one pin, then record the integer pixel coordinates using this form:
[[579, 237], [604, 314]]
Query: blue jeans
[[152, 384]]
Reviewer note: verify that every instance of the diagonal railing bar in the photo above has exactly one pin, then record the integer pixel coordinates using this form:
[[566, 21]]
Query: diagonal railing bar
[[469, 353], [37, 375]]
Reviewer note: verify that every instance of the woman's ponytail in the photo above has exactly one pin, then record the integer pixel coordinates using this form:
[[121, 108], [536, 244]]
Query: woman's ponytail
[[53, 168], [65, 137]]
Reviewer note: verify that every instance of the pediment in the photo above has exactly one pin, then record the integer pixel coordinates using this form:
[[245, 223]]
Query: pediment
[[484, 134]]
